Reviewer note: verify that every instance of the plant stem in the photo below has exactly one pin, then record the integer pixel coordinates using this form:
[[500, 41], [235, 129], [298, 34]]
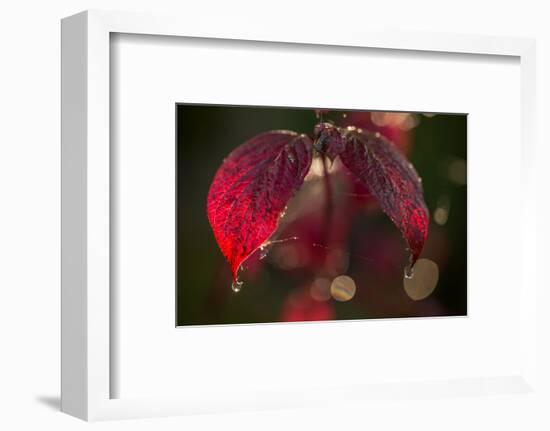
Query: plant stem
[[328, 198]]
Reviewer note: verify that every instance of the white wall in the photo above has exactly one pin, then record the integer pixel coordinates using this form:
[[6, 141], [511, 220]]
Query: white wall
[[30, 200]]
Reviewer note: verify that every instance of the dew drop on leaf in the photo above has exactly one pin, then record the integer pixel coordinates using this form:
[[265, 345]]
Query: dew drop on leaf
[[409, 272], [236, 286], [263, 252]]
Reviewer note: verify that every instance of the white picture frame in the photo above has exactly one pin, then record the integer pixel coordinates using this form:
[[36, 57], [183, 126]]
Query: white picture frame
[[87, 340]]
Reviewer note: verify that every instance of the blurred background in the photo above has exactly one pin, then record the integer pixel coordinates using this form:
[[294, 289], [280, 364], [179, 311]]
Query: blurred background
[[342, 259]]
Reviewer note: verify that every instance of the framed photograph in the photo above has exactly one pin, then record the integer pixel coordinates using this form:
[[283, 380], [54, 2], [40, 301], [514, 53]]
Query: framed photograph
[[257, 218]]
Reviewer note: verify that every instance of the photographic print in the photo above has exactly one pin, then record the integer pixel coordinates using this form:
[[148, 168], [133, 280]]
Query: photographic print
[[303, 214]]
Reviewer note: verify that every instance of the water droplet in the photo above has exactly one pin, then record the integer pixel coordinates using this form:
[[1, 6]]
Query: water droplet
[[263, 251], [409, 272], [236, 286], [290, 157]]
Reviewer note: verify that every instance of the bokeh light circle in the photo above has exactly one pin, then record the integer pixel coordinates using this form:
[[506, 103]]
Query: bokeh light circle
[[343, 288], [423, 280]]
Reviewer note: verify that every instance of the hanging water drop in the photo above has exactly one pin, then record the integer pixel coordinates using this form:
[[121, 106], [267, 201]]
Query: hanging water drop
[[409, 272], [263, 251], [236, 286]]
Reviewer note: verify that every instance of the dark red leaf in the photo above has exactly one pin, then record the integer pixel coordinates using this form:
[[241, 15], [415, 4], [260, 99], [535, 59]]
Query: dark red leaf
[[328, 140], [392, 180], [251, 189]]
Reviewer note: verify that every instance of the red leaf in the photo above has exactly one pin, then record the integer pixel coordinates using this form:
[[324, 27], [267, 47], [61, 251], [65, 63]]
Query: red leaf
[[392, 180], [328, 140], [251, 189]]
